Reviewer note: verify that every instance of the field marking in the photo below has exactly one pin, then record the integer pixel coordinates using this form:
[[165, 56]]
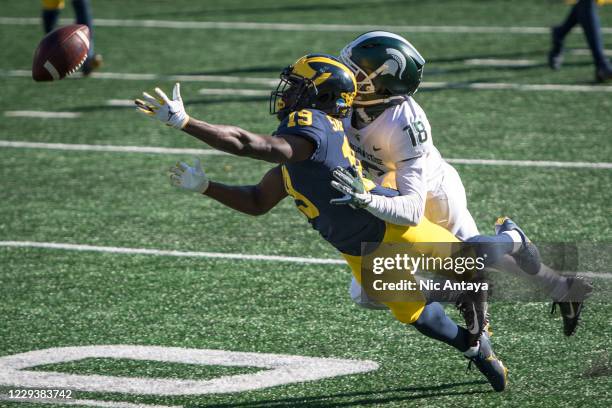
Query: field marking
[[204, 91], [189, 254], [477, 86], [230, 91], [41, 114], [498, 86], [533, 163], [87, 403], [243, 25], [126, 76], [277, 369], [497, 62], [109, 148], [211, 152], [162, 252]]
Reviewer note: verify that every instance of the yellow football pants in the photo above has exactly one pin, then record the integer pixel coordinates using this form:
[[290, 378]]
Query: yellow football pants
[[53, 4], [420, 236]]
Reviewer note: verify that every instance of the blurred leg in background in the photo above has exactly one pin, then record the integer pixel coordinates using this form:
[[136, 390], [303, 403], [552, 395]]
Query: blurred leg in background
[[82, 10], [584, 13]]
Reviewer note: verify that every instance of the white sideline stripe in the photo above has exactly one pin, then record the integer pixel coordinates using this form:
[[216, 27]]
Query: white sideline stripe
[[187, 254], [230, 91], [272, 82], [209, 152], [586, 51], [42, 114], [242, 25], [109, 148], [533, 163], [161, 252], [481, 86], [230, 79], [494, 62], [88, 403]]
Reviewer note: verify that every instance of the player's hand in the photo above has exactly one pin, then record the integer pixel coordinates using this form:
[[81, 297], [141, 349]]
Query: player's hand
[[189, 178], [350, 183], [171, 112]]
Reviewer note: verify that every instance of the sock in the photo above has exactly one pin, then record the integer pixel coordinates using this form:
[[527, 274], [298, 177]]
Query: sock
[[588, 18], [50, 17], [82, 9], [435, 324], [516, 238], [547, 278]]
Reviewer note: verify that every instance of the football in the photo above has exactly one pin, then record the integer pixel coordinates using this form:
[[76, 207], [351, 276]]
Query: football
[[61, 53]]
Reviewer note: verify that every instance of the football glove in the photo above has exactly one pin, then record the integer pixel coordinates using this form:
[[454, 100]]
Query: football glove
[[189, 178], [350, 183], [171, 112]]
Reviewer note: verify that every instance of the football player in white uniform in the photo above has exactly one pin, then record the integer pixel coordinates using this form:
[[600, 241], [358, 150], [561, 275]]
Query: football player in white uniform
[[392, 137]]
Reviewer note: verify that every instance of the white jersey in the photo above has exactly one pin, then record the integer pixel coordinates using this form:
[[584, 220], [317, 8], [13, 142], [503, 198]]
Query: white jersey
[[400, 135], [399, 143]]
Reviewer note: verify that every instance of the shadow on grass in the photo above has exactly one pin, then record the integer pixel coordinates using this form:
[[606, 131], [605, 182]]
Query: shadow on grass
[[373, 397]]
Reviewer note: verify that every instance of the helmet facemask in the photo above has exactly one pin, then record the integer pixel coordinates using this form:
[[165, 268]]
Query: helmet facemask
[[290, 93]]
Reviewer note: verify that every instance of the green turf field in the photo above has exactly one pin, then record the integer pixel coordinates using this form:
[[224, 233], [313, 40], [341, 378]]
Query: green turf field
[[64, 298]]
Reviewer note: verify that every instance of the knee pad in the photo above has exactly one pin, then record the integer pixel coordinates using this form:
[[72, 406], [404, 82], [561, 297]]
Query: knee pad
[[406, 312]]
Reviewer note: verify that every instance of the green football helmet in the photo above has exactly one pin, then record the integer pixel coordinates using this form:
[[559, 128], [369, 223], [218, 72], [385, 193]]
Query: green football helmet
[[387, 67]]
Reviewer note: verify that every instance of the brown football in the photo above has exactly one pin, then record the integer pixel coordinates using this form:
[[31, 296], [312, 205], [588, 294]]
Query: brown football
[[61, 53]]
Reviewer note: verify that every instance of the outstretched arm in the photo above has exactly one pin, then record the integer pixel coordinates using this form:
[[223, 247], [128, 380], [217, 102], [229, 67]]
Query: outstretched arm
[[254, 200], [230, 139]]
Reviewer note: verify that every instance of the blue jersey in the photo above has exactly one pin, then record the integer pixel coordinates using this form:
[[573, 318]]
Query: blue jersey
[[309, 182]]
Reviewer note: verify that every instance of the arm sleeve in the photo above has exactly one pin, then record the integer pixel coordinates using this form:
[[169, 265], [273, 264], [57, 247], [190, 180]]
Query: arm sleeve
[[407, 208]]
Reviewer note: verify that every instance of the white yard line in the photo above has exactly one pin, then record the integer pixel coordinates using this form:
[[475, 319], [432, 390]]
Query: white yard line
[[497, 62], [208, 152], [533, 163], [126, 76], [495, 86], [161, 252], [42, 114], [189, 254], [237, 92], [108, 148], [272, 82], [242, 25]]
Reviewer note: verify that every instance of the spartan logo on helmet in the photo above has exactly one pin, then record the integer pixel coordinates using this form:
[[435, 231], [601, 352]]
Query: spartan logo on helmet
[[397, 62], [387, 68]]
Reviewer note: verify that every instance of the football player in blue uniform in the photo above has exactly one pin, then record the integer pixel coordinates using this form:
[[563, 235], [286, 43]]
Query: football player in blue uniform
[[311, 151], [82, 9]]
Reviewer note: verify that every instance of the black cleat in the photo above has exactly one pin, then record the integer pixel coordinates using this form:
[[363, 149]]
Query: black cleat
[[572, 302], [473, 307], [603, 74], [489, 365]]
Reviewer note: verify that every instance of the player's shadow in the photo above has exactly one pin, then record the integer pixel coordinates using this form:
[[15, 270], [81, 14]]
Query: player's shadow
[[405, 394]]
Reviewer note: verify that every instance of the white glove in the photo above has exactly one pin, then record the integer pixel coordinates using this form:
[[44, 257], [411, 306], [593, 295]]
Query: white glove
[[189, 178], [171, 112]]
